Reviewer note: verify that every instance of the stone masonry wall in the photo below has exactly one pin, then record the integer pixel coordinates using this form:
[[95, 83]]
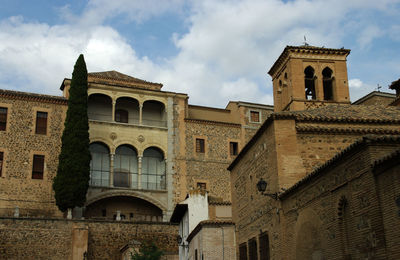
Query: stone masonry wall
[[211, 166], [19, 143], [52, 238]]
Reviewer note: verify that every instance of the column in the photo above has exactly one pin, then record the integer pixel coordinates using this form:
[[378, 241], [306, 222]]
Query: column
[[113, 111], [111, 184], [140, 113], [140, 172]]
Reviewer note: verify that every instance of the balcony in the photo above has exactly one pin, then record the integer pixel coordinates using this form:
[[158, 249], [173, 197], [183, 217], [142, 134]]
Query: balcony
[[126, 110]]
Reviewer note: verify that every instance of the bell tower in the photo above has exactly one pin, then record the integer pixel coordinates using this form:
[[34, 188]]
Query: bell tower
[[306, 77]]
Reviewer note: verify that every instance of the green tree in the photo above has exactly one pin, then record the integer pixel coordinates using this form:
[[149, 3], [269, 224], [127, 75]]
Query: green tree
[[148, 251], [72, 180]]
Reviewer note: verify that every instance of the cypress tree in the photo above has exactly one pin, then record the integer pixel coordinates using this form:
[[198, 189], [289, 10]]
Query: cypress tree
[[72, 180]]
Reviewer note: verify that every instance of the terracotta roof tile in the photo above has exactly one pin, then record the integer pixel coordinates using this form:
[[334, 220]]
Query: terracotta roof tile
[[115, 75]]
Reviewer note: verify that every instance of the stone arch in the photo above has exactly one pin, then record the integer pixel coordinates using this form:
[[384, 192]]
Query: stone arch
[[127, 110], [309, 83], [126, 193], [309, 240], [99, 139], [327, 83], [156, 146], [153, 169], [154, 113], [125, 166], [99, 107]]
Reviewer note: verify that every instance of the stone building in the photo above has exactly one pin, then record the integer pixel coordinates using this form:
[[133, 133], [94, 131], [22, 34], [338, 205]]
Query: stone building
[[149, 148], [325, 191]]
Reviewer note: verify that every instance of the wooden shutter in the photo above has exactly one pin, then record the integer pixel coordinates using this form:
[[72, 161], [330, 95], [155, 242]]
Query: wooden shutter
[[3, 118], [200, 145], [255, 116], [38, 167], [1, 163], [264, 246], [41, 123]]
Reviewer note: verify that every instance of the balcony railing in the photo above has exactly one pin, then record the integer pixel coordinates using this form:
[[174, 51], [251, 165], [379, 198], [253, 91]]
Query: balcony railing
[[126, 180], [131, 121]]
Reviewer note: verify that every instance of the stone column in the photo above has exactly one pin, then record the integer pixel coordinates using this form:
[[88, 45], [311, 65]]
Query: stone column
[[113, 111], [139, 172], [111, 184], [140, 113]]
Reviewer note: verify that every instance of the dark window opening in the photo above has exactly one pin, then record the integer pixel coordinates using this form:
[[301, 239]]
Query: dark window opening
[[195, 255], [253, 249], [254, 116], [233, 148], [103, 212], [264, 246], [1, 163], [3, 118], [327, 83], [200, 145], [38, 167], [202, 185], [121, 116], [41, 123], [309, 80], [243, 251]]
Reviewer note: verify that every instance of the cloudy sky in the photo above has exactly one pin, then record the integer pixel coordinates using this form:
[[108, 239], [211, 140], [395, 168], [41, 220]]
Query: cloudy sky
[[213, 50]]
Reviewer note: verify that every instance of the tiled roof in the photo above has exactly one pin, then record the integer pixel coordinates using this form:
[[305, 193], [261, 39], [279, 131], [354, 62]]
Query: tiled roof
[[345, 113], [115, 75], [335, 113], [33, 96], [392, 156], [305, 49], [343, 153]]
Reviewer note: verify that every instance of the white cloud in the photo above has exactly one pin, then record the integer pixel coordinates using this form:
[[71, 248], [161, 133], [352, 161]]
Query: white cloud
[[355, 83], [225, 55]]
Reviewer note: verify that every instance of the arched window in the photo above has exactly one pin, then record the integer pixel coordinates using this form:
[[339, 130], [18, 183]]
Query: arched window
[[99, 165], [125, 167], [327, 83], [153, 169], [121, 116], [309, 80]]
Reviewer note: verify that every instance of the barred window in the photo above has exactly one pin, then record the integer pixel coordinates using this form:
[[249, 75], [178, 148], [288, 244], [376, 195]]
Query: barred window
[[202, 185], [3, 118], [41, 123], [200, 145], [38, 166]]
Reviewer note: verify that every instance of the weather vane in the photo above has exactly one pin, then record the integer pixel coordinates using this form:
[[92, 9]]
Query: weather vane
[[378, 87]]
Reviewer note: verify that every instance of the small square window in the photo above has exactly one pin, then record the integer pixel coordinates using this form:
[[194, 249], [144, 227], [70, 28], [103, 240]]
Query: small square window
[[121, 116], [41, 123], [38, 166], [202, 185], [233, 148], [1, 163], [200, 145], [3, 118], [254, 116]]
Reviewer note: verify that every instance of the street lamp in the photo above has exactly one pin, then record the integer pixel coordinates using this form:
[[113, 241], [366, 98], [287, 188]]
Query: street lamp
[[262, 186]]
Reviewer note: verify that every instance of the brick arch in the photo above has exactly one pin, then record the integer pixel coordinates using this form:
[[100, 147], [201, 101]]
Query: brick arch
[[126, 193], [309, 242]]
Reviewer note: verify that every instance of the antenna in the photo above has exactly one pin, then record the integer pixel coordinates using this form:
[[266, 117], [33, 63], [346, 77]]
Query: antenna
[[305, 41]]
